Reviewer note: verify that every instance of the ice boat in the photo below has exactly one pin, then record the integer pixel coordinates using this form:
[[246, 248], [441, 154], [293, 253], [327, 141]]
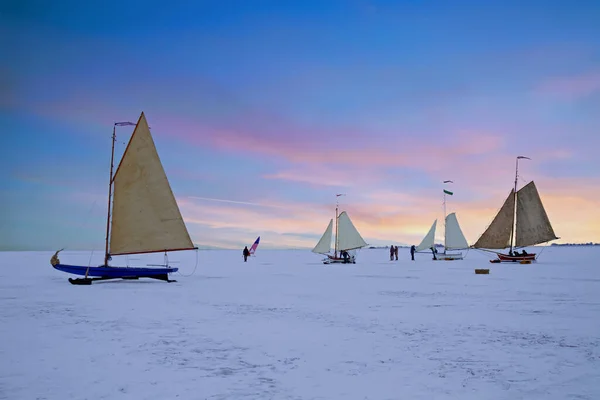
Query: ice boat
[[522, 221], [347, 239], [143, 216], [454, 239]]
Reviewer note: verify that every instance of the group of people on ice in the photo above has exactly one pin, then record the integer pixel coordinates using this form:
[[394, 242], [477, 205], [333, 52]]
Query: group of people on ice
[[516, 253]]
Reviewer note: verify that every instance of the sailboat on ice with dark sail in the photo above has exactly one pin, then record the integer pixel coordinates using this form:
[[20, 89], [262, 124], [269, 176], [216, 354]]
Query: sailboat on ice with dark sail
[[143, 216], [522, 221]]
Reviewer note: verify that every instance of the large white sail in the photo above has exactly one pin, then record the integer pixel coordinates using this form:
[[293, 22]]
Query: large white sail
[[429, 239], [455, 239], [145, 215], [324, 244], [533, 225], [348, 237], [497, 235]]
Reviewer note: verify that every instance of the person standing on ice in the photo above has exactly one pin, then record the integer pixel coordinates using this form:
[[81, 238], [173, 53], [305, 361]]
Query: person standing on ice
[[392, 252], [346, 257], [246, 253], [412, 252], [396, 252], [433, 251]]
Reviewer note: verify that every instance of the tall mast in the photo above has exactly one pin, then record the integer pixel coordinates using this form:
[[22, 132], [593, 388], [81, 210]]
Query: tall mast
[[112, 159], [110, 181], [336, 231], [445, 216], [337, 204], [512, 232]]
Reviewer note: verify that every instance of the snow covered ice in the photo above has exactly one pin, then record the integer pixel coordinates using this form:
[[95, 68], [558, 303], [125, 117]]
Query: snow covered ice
[[285, 326]]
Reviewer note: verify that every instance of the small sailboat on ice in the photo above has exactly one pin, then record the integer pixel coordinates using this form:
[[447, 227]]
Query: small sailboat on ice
[[143, 216], [347, 239], [522, 221], [254, 246], [454, 239]]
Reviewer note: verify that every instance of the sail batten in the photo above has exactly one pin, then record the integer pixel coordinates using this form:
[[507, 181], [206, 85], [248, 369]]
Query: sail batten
[[533, 225], [497, 235], [145, 215], [454, 237], [348, 236], [429, 239], [324, 244]]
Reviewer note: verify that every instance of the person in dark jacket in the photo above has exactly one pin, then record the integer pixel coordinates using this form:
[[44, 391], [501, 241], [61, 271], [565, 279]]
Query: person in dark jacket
[[346, 257], [246, 253], [433, 251], [412, 252]]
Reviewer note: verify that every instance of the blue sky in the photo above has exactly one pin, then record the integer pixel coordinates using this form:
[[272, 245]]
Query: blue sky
[[284, 104]]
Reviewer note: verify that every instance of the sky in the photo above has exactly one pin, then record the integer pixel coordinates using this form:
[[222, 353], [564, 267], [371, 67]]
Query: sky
[[263, 111]]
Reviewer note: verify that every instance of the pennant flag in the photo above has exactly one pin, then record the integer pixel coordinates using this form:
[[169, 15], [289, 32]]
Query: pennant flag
[[448, 192]]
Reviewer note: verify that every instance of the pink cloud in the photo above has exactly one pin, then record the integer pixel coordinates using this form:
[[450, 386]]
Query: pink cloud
[[331, 157], [571, 87], [328, 175], [258, 133], [319, 152]]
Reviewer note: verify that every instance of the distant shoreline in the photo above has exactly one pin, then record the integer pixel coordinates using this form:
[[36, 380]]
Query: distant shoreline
[[575, 244], [590, 244]]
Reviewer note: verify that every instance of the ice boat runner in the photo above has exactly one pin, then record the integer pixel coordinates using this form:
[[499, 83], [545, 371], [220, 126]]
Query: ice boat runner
[[347, 239], [454, 239], [254, 246], [145, 216], [522, 221]]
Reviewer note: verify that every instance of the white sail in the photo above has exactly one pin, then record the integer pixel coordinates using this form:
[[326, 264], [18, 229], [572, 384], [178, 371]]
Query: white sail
[[497, 235], [429, 239], [533, 225], [324, 244], [348, 237], [455, 239], [145, 215]]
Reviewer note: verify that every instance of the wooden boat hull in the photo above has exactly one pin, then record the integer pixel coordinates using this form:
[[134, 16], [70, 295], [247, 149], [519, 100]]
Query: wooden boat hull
[[106, 272], [339, 260], [508, 258], [449, 256]]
